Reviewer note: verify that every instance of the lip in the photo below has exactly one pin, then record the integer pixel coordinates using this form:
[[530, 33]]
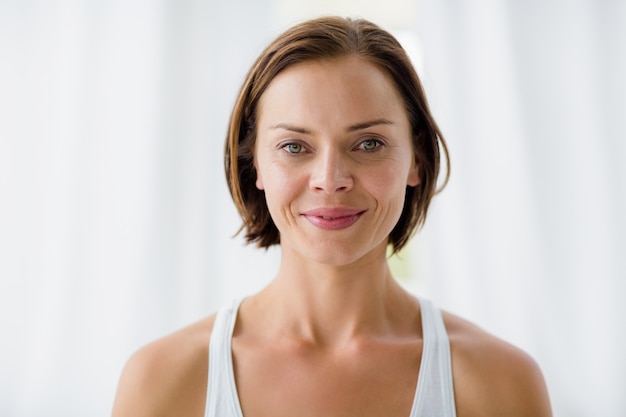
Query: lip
[[333, 218]]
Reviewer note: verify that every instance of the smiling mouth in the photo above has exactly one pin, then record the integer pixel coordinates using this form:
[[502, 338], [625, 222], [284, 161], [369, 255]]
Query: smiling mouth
[[334, 222]]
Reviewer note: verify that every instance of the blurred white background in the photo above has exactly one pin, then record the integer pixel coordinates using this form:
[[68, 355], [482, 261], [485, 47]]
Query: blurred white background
[[116, 225]]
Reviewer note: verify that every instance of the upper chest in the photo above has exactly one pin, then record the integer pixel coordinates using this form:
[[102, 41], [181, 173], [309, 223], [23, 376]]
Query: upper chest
[[371, 379]]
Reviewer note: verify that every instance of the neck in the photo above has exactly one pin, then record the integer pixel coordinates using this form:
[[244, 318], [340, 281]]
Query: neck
[[332, 305]]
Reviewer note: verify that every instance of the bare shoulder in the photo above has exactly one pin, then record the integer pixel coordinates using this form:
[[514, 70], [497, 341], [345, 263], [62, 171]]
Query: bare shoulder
[[493, 377], [167, 377]]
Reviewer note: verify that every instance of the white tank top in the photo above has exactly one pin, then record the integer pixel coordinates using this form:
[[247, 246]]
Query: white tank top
[[434, 396]]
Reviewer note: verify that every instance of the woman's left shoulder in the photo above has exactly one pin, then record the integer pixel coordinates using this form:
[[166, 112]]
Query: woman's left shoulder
[[491, 376]]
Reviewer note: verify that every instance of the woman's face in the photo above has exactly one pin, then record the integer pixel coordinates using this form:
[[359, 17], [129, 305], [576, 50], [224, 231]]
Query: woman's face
[[334, 156]]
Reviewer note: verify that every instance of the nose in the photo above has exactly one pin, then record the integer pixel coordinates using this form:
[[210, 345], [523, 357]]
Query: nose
[[331, 172]]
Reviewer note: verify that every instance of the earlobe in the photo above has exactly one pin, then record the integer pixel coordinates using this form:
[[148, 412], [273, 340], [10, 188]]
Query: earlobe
[[259, 183], [413, 179], [259, 180]]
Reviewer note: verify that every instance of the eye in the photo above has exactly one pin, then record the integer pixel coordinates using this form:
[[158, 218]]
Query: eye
[[370, 145], [293, 148]]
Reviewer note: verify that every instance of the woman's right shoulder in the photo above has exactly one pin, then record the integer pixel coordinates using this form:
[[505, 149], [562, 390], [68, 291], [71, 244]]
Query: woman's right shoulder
[[168, 376]]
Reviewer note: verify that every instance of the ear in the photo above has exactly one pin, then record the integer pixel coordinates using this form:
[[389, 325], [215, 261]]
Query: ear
[[259, 180], [413, 179]]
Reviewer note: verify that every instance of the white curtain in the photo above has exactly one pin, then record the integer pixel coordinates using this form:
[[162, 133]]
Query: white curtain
[[115, 219], [116, 225], [529, 239]]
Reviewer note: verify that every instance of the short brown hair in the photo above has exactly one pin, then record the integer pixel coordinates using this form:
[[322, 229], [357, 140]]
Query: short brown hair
[[326, 38]]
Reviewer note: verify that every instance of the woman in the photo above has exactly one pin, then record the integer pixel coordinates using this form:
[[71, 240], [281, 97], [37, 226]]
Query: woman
[[332, 153]]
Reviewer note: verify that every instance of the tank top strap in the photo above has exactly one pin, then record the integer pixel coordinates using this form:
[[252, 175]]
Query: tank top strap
[[434, 396], [221, 397]]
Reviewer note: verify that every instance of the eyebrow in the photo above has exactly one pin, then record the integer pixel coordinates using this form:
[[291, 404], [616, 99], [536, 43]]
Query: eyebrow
[[352, 128], [365, 125], [291, 128]]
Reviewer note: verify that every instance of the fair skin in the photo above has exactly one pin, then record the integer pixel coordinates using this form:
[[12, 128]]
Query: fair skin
[[333, 334]]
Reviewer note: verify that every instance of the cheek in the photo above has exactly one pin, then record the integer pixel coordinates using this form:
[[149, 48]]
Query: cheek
[[272, 178], [391, 178], [280, 187], [389, 186], [380, 185]]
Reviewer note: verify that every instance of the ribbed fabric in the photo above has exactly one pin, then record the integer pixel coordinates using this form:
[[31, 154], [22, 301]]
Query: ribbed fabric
[[434, 396], [221, 398]]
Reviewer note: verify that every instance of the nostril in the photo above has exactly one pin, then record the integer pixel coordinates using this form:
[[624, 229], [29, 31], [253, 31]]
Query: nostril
[[331, 174]]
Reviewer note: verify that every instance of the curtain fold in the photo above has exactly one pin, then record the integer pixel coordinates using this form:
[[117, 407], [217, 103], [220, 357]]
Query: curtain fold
[[528, 240], [114, 206]]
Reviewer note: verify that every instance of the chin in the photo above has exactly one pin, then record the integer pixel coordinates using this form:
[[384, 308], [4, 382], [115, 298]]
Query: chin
[[333, 254]]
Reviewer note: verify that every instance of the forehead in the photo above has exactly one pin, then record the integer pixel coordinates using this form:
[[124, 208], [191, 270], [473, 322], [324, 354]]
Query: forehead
[[341, 89]]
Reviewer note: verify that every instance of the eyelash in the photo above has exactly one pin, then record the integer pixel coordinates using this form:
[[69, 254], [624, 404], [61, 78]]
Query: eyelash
[[286, 147], [360, 146], [377, 142]]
